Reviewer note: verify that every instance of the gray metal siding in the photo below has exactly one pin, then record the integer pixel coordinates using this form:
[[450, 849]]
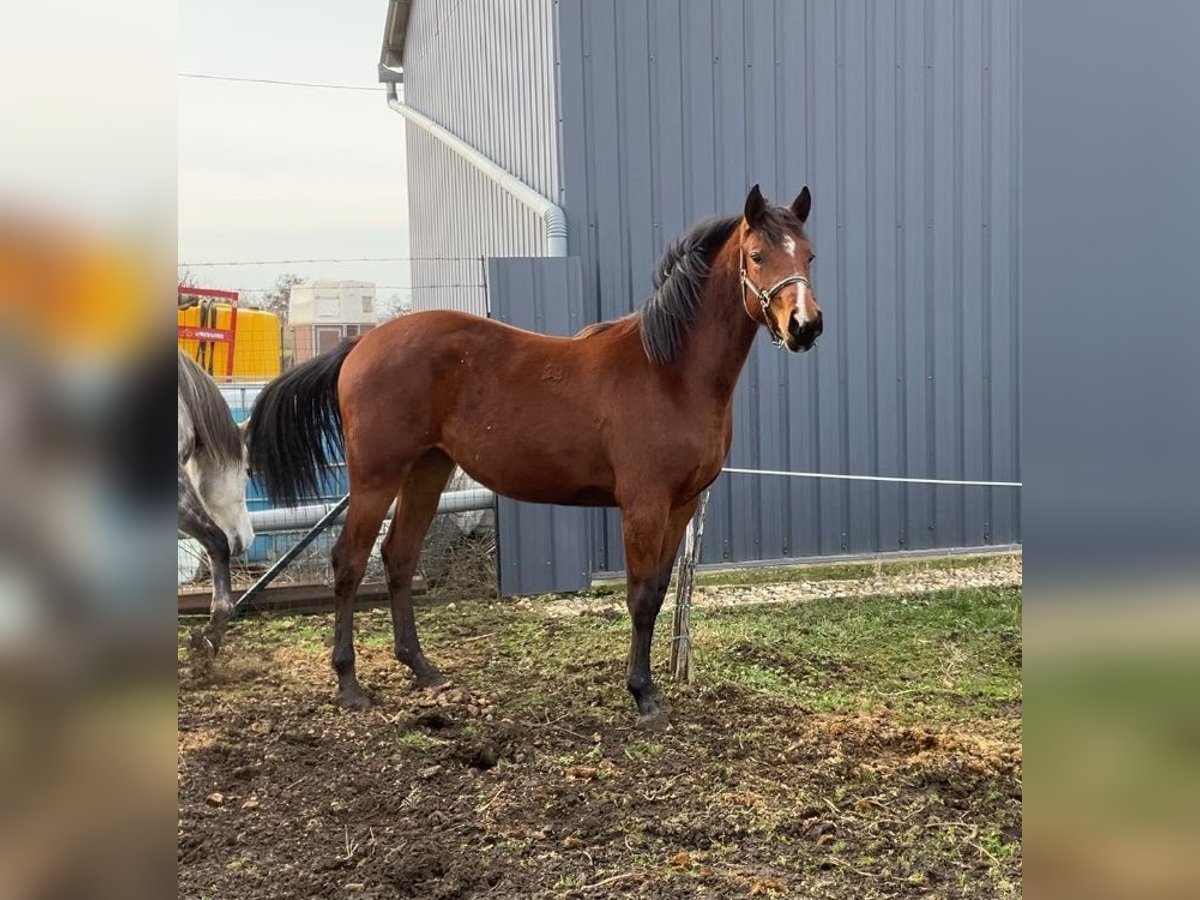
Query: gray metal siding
[[903, 119], [484, 70], [540, 548]]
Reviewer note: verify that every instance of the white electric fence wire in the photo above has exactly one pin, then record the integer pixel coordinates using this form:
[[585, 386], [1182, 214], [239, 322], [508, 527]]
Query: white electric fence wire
[[877, 478]]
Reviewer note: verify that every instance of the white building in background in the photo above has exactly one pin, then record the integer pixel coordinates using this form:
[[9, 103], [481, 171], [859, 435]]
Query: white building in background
[[323, 313]]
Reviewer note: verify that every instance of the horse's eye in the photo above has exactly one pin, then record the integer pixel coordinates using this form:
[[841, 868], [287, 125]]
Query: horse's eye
[[811, 258], [756, 256]]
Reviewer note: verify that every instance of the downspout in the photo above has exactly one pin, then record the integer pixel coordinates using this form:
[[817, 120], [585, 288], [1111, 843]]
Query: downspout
[[554, 221]]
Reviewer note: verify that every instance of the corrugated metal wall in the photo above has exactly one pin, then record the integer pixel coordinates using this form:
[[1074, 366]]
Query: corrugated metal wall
[[902, 117], [484, 70]]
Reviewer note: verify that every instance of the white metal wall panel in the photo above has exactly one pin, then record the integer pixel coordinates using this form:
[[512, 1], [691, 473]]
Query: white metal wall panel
[[484, 70], [458, 219]]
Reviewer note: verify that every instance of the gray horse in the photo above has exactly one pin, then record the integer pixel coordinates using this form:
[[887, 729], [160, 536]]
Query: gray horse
[[212, 490]]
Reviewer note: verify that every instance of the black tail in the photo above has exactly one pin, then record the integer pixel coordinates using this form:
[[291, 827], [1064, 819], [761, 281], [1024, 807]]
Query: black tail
[[295, 427]]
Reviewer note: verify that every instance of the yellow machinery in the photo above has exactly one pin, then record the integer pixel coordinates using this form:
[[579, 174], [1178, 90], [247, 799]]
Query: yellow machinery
[[211, 321]]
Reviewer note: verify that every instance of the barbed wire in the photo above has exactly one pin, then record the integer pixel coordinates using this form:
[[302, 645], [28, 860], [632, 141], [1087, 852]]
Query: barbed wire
[[379, 287], [280, 82], [331, 259]]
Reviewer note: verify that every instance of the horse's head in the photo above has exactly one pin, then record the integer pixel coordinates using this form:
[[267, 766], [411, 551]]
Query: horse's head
[[222, 487], [775, 261]]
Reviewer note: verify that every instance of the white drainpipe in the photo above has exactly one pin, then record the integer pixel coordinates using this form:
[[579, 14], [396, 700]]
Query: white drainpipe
[[554, 221]]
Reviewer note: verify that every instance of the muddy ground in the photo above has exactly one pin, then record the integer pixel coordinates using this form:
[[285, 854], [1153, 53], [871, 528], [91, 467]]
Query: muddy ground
[[835, 747]]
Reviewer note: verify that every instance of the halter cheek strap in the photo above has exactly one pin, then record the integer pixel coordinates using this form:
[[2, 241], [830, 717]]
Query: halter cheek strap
[[765, 297]]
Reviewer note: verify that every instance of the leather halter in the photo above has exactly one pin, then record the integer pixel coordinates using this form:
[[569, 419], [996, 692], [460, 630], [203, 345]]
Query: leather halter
[[765, 297]]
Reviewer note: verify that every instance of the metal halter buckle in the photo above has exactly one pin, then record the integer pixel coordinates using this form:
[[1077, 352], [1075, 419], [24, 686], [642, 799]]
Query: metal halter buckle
[[765, 297]]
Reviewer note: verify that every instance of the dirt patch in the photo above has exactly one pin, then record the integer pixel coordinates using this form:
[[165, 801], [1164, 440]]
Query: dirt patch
[[527, 778]]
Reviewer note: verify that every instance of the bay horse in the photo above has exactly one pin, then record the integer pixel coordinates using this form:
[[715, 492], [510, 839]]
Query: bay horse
[[635, 413], [212, 489]]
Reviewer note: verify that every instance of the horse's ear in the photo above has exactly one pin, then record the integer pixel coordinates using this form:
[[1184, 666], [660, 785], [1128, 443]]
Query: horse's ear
[[802, 204], [756, 205]]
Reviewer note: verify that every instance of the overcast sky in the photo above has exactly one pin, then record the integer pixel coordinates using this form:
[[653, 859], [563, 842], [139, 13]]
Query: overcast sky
[[269, 172]]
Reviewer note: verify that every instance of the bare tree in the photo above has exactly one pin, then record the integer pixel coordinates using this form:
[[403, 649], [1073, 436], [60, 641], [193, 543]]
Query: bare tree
[[395, 305], [276, 298]]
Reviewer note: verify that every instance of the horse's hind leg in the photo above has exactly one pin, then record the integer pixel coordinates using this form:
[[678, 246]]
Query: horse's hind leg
[[195, 522], [415, 509], [652, 537], [350, 553]]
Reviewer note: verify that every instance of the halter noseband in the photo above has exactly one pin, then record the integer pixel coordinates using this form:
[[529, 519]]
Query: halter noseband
[[765, 297]]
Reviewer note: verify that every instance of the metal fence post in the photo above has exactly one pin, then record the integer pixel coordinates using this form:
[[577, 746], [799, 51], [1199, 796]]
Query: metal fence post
[[280, 564], [681, 636]]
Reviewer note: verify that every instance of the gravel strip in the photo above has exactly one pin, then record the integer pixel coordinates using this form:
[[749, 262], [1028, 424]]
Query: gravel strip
[[1002, 571]]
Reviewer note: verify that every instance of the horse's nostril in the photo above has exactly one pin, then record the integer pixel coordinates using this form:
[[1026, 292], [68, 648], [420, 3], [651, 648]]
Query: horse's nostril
[[794, 326]]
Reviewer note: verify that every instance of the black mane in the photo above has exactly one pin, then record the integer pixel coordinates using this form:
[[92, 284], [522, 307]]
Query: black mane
[[666, 316], [668, 312], [206, 425]]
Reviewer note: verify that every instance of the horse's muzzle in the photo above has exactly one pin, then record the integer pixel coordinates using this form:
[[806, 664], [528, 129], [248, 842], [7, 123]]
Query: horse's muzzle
[[802, 337], [241, 539]]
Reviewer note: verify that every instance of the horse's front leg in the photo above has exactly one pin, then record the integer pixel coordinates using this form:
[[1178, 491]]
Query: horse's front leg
[[652, 538], [195, 522]]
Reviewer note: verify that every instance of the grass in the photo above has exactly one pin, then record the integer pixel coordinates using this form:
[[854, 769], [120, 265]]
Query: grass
[[955, 653], [950, 655], [643, 749], [293, 629], [417, 740]]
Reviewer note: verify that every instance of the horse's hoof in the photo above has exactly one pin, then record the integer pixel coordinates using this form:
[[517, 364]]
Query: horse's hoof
[[430, 678], [654, 721], [201, 645], [354, 699]]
